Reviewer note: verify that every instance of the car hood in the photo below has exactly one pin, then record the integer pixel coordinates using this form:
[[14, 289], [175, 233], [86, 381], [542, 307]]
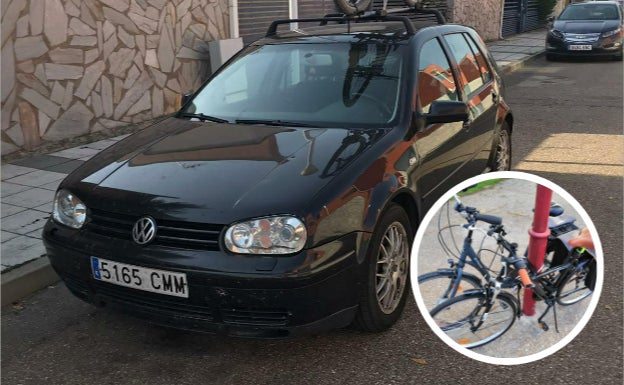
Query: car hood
[[213, 172], [586, 26]]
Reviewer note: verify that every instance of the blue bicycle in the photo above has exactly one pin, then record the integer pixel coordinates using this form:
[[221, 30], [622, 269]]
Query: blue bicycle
[[475, 310]]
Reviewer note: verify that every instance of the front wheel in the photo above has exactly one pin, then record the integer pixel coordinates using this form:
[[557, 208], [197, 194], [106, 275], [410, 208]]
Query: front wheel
[[385, 289], [465, 321], [437, 287]]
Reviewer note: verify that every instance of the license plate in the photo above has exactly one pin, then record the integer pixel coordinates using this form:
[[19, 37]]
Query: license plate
[[141, 278], [580, 47]]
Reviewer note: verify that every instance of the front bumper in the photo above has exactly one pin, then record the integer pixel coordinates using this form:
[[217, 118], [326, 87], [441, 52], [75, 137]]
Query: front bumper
[[271, 297], [607, 46]]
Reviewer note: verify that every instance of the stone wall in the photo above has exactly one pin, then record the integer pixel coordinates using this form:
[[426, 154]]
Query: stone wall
[[72, 67], [484, 15]]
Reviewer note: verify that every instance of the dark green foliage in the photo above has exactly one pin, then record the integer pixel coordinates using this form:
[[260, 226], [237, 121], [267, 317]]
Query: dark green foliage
[[545, 8]]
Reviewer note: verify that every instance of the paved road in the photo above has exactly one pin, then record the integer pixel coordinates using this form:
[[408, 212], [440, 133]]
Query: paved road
[[57, 339]]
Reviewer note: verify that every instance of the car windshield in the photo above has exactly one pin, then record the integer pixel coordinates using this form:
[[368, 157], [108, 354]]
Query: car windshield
[[590, 12], [307, 84]]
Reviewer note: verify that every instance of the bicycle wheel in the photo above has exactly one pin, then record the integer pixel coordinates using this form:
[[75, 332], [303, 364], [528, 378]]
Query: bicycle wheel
[[462, 318], [352, 7], [574, 287], [436, 287]]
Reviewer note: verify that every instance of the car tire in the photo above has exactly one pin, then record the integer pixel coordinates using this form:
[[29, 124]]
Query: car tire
[[501, 157], [385, 285], [352, 7], [618, 57], [550, 57]]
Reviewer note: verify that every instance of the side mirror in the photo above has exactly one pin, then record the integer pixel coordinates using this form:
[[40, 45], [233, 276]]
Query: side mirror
[[550, 19], [447, 111], [186, 98]]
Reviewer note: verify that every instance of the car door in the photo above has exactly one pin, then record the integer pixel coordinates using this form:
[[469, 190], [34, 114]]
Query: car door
[[439, 147], [480, 92]]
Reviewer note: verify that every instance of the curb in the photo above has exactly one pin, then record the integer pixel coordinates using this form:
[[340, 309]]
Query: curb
[[27, 279], [506, 70]]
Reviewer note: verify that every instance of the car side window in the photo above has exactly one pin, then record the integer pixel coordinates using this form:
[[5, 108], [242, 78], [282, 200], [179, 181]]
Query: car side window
[[480, 58], [468, 66], [435, 78]]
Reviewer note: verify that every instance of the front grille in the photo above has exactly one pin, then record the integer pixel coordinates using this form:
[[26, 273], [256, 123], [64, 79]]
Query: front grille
[[136, 298], [582, 37], [256, 317], [183, 235]]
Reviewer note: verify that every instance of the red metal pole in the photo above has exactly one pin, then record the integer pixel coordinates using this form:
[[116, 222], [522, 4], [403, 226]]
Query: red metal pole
[[539, 238]]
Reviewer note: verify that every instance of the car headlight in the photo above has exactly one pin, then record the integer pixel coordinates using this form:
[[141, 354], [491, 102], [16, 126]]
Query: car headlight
[[611, 33], [269, 235], [69, 210], [556, 34]]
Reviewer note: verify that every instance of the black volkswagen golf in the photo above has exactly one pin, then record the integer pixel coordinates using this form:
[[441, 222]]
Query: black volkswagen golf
[[587, 29], [283, 197]]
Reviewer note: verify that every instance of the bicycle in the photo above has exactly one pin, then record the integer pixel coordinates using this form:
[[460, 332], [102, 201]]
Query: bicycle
[[485, 312], [444, 281]]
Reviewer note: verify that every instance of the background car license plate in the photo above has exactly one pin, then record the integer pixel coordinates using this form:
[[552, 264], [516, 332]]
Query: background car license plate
[[580, 47], [142, 278]]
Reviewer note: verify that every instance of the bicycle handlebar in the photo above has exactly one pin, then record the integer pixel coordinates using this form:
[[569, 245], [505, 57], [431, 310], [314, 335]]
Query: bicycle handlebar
[[472, 214], [491, 219]]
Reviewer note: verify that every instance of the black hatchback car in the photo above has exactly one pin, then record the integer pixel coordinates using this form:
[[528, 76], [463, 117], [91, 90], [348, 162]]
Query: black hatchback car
[[587, 29], [283, 197]]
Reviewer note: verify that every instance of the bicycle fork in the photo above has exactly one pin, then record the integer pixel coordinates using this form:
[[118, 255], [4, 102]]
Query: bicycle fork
[[488, 307]]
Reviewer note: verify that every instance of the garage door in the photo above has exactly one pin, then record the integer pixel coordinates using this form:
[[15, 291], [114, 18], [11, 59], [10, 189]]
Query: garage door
[[520, 16], [440, 5], [511, 17], [255, 16], [316, 8]]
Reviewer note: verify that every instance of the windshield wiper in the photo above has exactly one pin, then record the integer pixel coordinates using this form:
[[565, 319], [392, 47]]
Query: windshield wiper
[[203, 117], [274, 122]]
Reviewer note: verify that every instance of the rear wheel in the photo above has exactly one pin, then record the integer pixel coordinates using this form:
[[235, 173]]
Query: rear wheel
[[436, 287], [464, 320], [501, 160], [382, 297], [576, 286]]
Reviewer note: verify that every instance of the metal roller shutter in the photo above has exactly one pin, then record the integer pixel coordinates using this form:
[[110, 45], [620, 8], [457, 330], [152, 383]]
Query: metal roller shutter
[[532, 16], [315, 8], [440, 5], [511, 17], [255, 16]]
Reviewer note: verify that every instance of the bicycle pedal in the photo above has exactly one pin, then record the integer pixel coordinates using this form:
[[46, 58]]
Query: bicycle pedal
[[543, 325]]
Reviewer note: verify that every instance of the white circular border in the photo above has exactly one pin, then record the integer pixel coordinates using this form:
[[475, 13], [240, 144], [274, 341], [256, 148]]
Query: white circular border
[[590, 309]]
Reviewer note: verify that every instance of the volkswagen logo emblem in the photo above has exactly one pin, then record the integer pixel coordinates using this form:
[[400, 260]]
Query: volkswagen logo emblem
[[144, 231]]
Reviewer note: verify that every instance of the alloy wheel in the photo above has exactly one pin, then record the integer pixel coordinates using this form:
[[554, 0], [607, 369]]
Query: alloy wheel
[[503, 151], [392, 267]]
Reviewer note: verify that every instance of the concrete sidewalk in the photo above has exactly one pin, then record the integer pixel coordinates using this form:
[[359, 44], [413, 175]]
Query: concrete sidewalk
[[28, 187]]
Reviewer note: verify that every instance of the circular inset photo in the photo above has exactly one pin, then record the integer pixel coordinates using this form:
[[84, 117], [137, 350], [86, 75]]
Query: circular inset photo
[[507, 268]]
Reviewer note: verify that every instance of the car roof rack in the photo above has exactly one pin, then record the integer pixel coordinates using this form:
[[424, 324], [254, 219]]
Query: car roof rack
[[379, 15]]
